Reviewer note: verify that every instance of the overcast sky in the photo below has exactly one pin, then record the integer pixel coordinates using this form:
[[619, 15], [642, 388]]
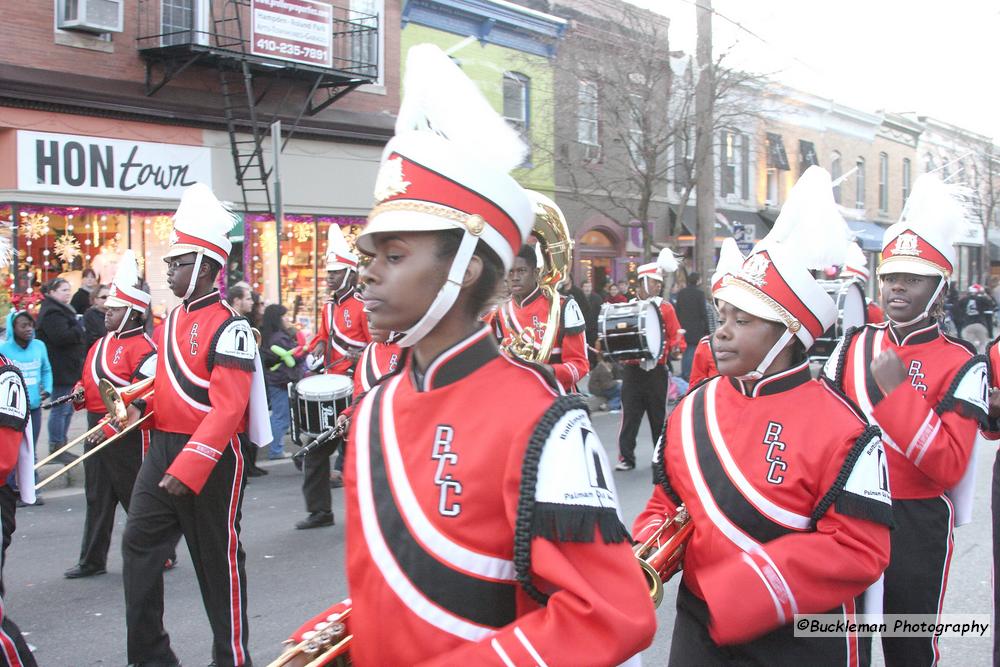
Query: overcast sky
[[939, 59]]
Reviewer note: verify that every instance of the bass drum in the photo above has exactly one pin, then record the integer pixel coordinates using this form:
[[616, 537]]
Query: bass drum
[[630, 331], [315, 403], [851, 309]]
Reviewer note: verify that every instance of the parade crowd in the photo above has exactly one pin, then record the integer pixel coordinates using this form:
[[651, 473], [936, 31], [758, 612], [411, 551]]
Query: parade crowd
[[448, 390]]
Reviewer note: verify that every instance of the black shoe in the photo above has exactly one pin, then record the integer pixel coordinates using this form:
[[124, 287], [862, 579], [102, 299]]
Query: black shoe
[[316, 520], [80, 571], [65, 458], [256, 472], [624, 465], [39, 501]]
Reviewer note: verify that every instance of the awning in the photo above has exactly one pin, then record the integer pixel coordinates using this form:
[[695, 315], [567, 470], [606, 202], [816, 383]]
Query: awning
[[748, 225], [868, 234], [971, 234]]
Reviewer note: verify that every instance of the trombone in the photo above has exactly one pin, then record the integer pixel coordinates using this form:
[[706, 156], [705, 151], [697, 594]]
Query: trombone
[[116, 401]]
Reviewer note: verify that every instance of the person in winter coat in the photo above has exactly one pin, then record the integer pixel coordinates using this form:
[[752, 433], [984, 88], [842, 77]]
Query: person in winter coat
[[62, 333], [278, 346], [93, 319], [29, 354]]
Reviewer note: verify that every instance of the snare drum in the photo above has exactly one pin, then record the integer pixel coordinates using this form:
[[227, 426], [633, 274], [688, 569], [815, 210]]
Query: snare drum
[[630, 331], [851, 307], [316, 401]]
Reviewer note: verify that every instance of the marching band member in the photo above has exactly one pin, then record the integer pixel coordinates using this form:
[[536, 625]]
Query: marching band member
[[487, 536], [528, 308], [380, 358], [208, 394], [644, 384], [790, 506], [703, 364], [927, 392], [343, 335], [343, 328], [17, 451], [122, 356], [856, 268]]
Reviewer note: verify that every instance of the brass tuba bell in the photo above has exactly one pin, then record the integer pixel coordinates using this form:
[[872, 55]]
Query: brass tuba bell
[[553, 237]]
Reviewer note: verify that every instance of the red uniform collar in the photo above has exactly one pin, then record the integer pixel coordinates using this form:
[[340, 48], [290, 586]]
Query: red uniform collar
[[340, 299], [918, 337], [192, 305], [130, 333], [790, 378], [534, 294], [457, 362]]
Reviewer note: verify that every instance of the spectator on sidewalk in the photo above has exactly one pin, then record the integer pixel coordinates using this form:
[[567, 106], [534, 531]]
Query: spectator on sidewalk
[[279, 347], [63, 335], [605, 383], [240, 298], [31, 357], [590, 304], [82, 299], [693, 315], [93, 319], [615, 294]]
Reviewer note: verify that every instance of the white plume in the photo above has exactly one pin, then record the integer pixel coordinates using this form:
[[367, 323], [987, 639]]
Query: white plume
[[938, 209], [201, 210], [127, 274], [855, 256], [438, 97], [810, 223], [730, 260], [667, 261]]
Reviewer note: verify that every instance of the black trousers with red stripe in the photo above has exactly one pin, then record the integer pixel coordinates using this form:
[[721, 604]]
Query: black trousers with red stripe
[[644, 393], [921, 547], [691, 644], [210, 524], [14, 650], [109, 477]]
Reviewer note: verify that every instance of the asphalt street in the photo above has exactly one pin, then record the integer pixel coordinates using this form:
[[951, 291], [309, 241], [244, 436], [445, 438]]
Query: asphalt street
[[294, 574]]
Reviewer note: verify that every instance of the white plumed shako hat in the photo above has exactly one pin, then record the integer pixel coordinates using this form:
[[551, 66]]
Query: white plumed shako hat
[[125, 291]]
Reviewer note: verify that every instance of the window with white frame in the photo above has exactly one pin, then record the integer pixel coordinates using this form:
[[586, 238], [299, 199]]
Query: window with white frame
[[516, 101], [945, 168], [733, 165], [636, 138], [368, 46], [683, 160], [929, 164], [744, 166], [907, 175], [883, 182], [772, 186], [587, 128], [176, 21], [859, 184], [836, 171]]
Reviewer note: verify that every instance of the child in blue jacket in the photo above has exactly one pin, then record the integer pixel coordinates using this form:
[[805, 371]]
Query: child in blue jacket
[[31, 356]]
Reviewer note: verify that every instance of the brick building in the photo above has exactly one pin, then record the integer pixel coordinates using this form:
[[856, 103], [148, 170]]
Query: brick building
[[104, 118]]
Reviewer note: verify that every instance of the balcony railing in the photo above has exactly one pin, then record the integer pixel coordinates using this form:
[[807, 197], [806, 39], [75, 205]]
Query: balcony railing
[[295, 34]]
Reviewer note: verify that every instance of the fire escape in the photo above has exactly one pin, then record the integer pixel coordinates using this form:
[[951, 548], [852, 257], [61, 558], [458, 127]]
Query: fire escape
[[273, 59]]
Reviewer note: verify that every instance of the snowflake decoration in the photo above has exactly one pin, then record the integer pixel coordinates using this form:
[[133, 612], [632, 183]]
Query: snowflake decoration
[[303, 231], [163, 225], [67, 248], [35, 225]]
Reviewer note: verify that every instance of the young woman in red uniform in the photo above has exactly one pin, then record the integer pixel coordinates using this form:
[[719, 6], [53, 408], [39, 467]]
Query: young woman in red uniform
[[482, 515], [927, 392], [790, 506], [122, 356]]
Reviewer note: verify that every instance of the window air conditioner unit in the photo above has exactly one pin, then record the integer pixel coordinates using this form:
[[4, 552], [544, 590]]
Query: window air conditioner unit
[[97, 16], [732, 198]]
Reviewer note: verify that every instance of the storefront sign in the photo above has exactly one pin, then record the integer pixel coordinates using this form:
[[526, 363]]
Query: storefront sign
[[72, 164], [300, 31]]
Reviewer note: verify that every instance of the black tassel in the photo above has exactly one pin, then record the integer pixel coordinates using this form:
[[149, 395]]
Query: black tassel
[[576, 523], [851, 504], [233, 362]]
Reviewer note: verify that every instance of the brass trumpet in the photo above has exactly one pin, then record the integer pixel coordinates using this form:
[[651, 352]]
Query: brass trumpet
[[661, 561], [116, 402], [326, 644]]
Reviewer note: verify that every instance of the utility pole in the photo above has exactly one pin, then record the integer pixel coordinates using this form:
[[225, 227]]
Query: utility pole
[[704, 246]]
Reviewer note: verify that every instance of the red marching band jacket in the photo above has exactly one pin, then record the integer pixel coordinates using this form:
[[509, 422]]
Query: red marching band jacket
[[569, 354], [343, 327], [790, 506], [120, 359], [929, 423], [451, 503], [377, 361], [703, 362], [16, 446], [204, 371]]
